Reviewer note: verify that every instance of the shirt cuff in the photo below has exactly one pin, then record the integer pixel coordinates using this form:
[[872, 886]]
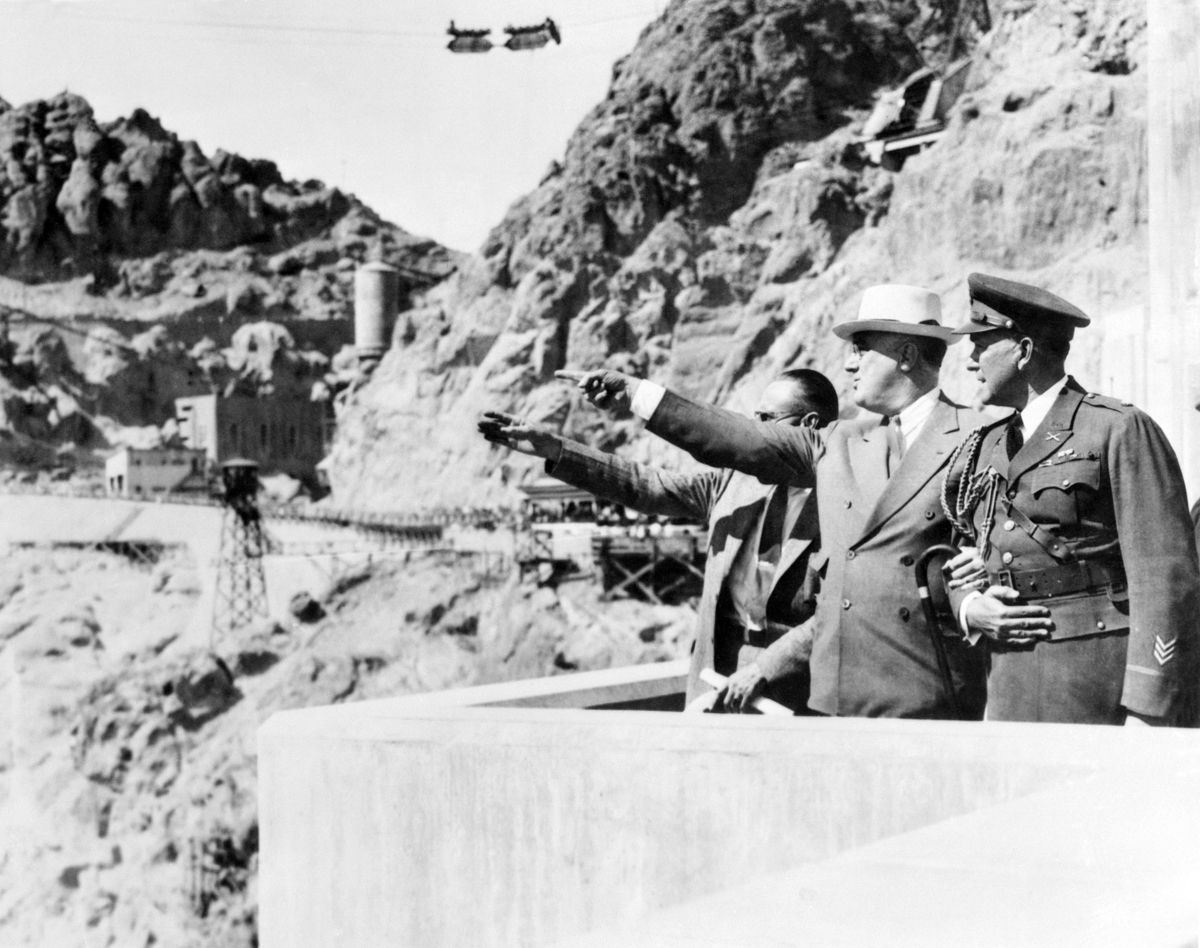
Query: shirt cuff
[[971, 637], [645, 399]]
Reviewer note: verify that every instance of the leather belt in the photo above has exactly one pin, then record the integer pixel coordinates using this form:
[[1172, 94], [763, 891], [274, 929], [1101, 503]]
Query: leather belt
[[1061, 580], [758, 638], [764, 638], [733, 630]]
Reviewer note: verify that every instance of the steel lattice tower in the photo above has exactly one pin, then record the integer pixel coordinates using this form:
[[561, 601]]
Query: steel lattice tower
[[241, 594]]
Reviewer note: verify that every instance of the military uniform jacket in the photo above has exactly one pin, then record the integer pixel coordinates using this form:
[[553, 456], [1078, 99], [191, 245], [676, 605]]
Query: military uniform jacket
[[1099, 477], [731, 504], [872, 654]]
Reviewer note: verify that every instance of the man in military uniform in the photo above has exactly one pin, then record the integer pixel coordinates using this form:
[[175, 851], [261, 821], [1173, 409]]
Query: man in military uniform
[[1078, 506]]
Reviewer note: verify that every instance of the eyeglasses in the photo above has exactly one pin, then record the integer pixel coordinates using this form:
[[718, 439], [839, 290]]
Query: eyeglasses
[[776, 415]]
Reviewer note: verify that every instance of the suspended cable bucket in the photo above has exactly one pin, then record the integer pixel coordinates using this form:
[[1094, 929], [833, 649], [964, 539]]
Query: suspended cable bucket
[[468, 41], [519, 37], [532, 37]]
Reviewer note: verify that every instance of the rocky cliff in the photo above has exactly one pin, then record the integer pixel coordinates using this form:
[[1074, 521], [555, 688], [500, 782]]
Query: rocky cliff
[[119, 202], [149, 269], [713, 216], [709, 220], [127, 766]]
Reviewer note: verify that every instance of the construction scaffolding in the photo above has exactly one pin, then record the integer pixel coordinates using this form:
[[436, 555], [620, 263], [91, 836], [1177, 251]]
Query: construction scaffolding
[[657, 567], [241, 594]]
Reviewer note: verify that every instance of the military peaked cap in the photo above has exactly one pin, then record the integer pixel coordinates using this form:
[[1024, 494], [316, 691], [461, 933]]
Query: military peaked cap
[[1007, 304]]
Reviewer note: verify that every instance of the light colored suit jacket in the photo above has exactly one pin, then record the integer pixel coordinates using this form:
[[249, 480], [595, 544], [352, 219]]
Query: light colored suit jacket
[[731, 503], [872, 653]]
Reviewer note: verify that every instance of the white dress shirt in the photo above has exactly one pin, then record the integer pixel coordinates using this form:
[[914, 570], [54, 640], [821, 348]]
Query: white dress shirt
[[1034, 413], [646, 396], [912, 419]]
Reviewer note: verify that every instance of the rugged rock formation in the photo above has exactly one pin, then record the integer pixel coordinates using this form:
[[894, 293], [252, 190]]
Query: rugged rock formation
[[129, 763], [161, 257], [114, 200], [713, 216]]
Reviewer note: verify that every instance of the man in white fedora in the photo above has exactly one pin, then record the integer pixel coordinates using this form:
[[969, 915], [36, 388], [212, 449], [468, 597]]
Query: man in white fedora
[[878, 487]]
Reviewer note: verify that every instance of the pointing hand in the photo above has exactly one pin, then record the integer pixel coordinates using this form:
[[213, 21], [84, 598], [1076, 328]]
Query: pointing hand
[[604, 388], [519, 435]]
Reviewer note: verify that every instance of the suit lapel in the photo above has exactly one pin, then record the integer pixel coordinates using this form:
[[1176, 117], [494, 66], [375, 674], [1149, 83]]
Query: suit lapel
[[867, 451], [801, 527], [924, 458], [1051, 434]]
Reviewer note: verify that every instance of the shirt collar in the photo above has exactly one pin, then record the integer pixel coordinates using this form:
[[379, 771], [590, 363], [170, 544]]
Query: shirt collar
[[1036, 411], [912, 418]]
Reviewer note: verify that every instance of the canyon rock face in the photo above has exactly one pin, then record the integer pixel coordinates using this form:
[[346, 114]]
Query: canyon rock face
[[714, 216], [708, 223], [143, 258], [120, 201], [127, 771]]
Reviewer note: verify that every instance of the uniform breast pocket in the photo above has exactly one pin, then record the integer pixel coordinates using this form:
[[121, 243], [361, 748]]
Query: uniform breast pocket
[[1064, 492]]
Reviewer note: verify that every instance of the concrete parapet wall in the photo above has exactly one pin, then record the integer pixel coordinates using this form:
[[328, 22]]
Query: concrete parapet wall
[[1108, 860], [465, 819]]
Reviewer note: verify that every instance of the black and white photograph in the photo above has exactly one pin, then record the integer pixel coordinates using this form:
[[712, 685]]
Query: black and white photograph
[[442, 440]]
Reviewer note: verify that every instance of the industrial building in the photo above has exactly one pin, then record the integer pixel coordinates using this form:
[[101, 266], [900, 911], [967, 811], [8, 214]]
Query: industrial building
[[144, 472], [282, 435]]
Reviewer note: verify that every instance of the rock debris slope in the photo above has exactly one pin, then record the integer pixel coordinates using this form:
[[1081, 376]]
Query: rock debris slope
[[711, 218], [127, 757]]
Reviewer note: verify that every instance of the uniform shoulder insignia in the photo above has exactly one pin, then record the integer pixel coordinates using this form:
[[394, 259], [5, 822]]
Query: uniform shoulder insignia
[[1104, 401]]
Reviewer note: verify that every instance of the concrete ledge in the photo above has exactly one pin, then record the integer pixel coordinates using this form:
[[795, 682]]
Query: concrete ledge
[[471, 818], [1105, 861]]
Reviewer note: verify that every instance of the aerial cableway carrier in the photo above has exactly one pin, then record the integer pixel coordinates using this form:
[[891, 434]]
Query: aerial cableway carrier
[[519, 37]]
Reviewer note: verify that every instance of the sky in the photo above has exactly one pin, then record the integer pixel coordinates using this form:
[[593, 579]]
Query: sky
[[361, 94]]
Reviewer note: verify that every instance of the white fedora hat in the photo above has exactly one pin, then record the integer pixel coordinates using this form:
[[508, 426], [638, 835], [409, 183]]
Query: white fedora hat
[[893, 307]]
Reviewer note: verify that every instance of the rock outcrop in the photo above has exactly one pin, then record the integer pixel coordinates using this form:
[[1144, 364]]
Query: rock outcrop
[[184, 272], [127, 774], [713, 217], [119, 201]]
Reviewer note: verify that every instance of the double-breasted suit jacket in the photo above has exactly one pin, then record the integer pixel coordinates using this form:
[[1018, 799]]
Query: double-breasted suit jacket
[[733, 505], [1091, 520], [872, 654]]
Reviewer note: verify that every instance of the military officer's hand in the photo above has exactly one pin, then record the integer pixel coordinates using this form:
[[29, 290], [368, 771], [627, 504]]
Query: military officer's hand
[[604, 388], [995, 615], [966, 571], [741, 689], [512, 432]]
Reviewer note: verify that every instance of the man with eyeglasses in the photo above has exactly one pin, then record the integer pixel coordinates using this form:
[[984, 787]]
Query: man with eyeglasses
[[878, 480], [757, 582]]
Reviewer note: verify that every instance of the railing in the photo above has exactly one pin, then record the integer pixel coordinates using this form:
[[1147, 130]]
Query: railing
[[429, 520]]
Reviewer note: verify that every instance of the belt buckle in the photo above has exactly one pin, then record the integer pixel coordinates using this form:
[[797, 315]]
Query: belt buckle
[[1005, 578]]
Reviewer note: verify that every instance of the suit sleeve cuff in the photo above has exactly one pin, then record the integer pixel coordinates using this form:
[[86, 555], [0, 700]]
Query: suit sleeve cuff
[[645, 399], [971, 637]]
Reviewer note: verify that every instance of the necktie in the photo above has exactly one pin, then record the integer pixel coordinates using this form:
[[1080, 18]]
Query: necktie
[[895, 443], [1014, 435], [771, 539]]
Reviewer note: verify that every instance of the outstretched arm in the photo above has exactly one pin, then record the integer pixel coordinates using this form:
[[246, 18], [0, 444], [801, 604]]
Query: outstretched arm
[[639, 486], [775, 454]]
